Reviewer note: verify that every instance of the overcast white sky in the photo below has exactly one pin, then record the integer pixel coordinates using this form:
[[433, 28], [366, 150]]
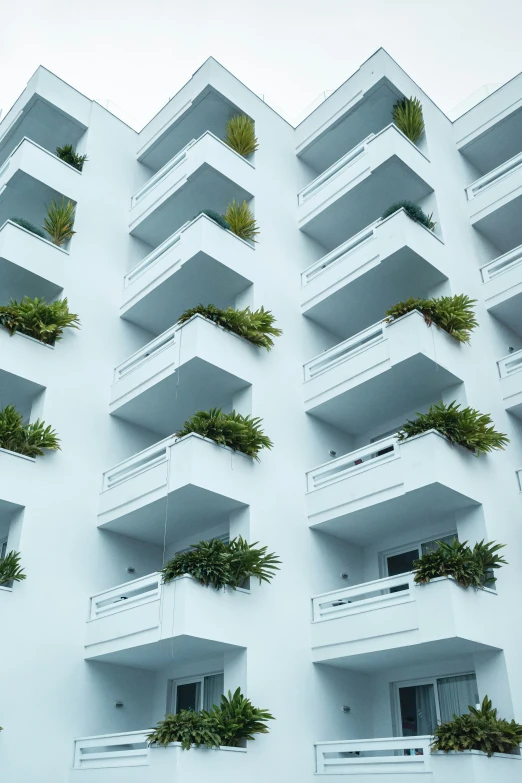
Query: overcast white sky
[[138, 53]]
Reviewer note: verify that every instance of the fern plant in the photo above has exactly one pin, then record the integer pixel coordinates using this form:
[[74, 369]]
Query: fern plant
[[237, 720], [463, 426], [468, 567], [454, 314], [28, 439], [39, 319], [28, 226], [241, 135], [413, 211], [10, 569], [255, 326], [59, 221], [241, 433], [216, 217], [189, 728], [408, 117], [68, 155], [241, 220], [218, 564], [480, 729]]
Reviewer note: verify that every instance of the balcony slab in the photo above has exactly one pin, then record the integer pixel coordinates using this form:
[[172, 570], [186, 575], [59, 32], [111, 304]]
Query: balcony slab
[[495, 202], [29, 265]]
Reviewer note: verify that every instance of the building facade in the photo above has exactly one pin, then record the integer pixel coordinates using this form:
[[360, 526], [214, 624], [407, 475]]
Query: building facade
[[95, 648]]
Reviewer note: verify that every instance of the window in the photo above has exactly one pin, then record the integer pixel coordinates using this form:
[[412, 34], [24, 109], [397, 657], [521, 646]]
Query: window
[[3, 548], [195, 693], [420, 705], [401, 560]]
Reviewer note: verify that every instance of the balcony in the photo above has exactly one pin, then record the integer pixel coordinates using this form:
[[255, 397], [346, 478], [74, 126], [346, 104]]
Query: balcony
[[25, 371], [29, 265], [200, 263], [145, 623], [502, 278], [16, 478], [509, 370], [206, 174], [353, 286], [381, 373], [30, 178], [368, 760], [190, 367], [388, 484], [203, 483], [393, 621], [494, 204], [383, 169]]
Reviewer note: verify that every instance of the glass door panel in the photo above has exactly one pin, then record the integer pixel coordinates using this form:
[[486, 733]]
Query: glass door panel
[[188, 696], [418, 711]]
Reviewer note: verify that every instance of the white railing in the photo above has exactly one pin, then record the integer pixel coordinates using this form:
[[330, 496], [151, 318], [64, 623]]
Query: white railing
[[334, 169], [139, 591], [340, 253], [510, 364], [502, 264], [394, 755], [345, 350], [140, 268], [489, 179], [112, 750], [363, 597], [166, 169], [144, 460], [165, 340], [337, 469]]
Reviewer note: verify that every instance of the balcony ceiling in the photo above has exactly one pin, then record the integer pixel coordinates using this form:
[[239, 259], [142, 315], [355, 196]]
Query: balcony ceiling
[[18, 391], [503, 226], [496, 145]]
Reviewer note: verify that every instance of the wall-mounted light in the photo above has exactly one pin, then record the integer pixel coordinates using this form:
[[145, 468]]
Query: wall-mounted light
[[118, 704], [511, 349], [346, 708], [130, 569], [344, 576], [333, 453]]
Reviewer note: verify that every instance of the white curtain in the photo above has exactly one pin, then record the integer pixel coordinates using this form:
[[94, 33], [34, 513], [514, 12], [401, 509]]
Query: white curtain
[[456, 694], [213, 690], [426, 712]]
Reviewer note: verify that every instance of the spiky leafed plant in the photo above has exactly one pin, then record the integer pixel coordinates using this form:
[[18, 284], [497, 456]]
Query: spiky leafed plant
[[408, 117], [189, 728], [241, 220], [28, 226], [479, 729], [216, 217], [236, 719], [68, 155], [241, 433], [255, 326], [10, 569], [241, 135], [454, 314], [413, 211], [468, 567], [463, 426], [45, 321], [218, 564], [27, 439], [60, 221]]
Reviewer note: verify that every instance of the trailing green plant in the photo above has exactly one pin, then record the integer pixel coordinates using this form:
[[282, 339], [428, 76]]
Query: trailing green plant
[[241, 135], [218, 564], [408, 117], [217, 218], [469, 567], [255, 326], [59, 221], [10, 568], [28, 226], [413, 211], [241, 220], [189, 728], [454, 314], [480, 729], [45, 321], [238, 432], [28, 439], [68, 155], [463, 426]]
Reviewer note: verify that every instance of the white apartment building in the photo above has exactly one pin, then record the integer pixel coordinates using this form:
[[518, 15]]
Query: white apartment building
[[356, 675]]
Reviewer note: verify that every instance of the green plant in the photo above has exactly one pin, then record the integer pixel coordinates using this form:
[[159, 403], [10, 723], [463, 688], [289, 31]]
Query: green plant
[[465, 427], [39, 319], [241, 135], [480, 729], [10, 569], [218, 564], [407, 116], [28, 439], [59, 221], [468, 567], [241, 220], [216, 217], [68, 155], [28, 226], [189, 728], [454, 314], [413, 211], [257, 327], [236, 719], [241, 433]]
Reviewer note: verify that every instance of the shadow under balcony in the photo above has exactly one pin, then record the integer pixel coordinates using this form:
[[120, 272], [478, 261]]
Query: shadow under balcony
[[502, 280], [30, 265]]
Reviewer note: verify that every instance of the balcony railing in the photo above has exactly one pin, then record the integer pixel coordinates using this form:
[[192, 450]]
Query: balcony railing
[[166, 169], [334, 169], [337, 469], [5, 165], [148, 261], [510, 364], [494, 176], [165, 340], [345, 350], [144, 460], [363, 597], [130, 594], [502, 264], [112, 750], [394, 755], [340, 253]]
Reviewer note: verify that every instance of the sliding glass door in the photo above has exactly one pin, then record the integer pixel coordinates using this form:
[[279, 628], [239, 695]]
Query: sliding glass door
[[422, 704]]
